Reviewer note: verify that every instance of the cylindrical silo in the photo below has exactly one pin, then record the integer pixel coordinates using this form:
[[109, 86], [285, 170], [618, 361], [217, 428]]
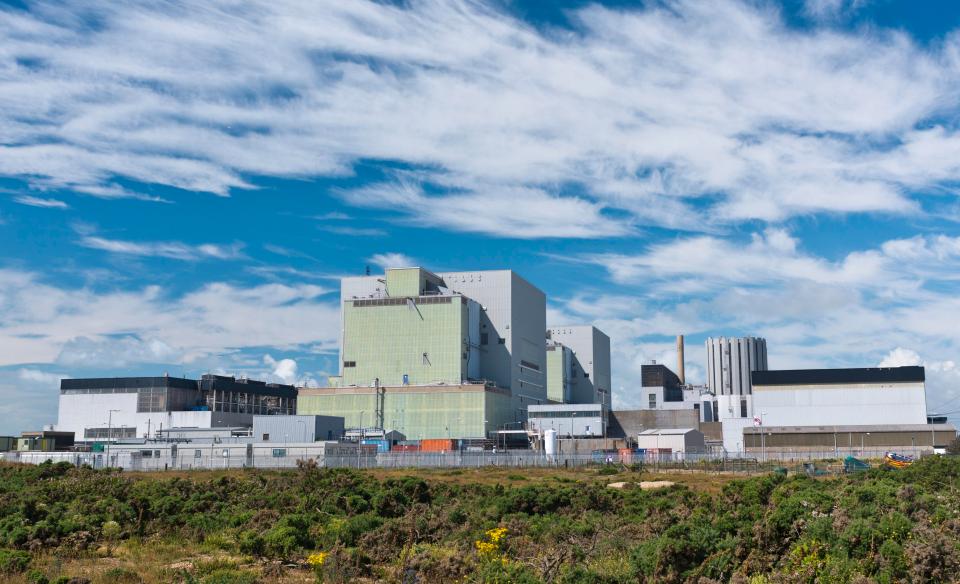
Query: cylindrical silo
[[550, 443], [731, 360]]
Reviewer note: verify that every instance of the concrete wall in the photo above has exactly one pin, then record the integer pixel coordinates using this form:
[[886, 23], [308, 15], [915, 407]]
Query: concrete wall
[[629, 423], [848, 404]]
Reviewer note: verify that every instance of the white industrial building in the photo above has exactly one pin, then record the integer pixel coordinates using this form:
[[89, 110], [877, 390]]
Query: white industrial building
[[730, 363], [662, 389], [672, 440], [579, 357], [304, 428], [569, 420], [146, 455], [118, 408], [829, 397]]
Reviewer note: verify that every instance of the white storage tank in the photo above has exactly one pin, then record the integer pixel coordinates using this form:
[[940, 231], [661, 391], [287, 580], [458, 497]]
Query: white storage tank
[[550, 443]]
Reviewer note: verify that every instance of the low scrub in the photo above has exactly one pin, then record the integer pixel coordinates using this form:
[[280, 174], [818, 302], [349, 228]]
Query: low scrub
[[880, 526]]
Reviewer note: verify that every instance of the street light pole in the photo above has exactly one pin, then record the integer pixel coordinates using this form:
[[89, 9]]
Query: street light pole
[[109, 433]]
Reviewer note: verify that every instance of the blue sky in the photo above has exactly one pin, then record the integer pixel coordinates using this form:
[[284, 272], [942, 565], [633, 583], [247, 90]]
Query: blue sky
[[181, 185]]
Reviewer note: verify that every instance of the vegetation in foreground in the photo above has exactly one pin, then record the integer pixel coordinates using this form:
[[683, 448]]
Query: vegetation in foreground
[[58, 522]]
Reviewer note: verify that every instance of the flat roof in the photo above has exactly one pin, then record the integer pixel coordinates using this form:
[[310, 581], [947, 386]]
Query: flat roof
[[127, 382], [564, 407], [839, 376], [667, 431]]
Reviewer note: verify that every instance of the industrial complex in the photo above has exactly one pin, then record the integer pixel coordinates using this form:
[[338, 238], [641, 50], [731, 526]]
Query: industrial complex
[[465, 362]]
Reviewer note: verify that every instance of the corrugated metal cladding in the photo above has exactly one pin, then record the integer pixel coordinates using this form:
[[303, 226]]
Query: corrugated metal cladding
[[730, 362]]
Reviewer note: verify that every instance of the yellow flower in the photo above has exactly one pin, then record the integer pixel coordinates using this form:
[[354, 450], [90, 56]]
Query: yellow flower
[[317, 559], [485, 548], [497, 534]]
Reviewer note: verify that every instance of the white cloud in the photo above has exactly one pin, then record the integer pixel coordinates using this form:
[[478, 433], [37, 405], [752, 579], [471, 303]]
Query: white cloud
[[686, 114], [116, 352], [284, 369], [703, 263], [900, 357], [40, 202], [44, 323], [392, 260], [164, 249], [44, 377], [814, 312]]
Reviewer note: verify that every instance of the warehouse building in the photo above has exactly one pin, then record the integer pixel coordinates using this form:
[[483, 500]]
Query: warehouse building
[[843, 411], [826, 397], [669, 441], [452, 355], [117, 408]]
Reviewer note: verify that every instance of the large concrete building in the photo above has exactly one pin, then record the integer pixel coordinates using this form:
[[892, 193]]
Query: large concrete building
[[730, 361], [578, 365], [117, 408], [841, 411], [457, 354], [828, 397]]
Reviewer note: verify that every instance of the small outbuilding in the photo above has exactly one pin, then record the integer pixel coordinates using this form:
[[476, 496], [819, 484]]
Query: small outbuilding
[[297, 428], [671, 440]]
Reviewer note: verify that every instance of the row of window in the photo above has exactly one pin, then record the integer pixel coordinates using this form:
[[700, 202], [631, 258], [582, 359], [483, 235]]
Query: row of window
[[113, 433], [566, 414], [403, 301]]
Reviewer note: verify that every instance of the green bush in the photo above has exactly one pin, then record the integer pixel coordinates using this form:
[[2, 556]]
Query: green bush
[[13, 561]]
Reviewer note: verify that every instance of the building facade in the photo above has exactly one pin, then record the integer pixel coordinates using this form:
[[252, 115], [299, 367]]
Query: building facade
[[828, 397], [730, 361], [117, 408], [452, 355], [570, 420], [588, 377]]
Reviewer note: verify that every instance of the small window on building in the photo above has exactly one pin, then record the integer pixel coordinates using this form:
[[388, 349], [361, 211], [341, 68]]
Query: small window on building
[[653, 401], [484, 338], [501, 341], [743, 408], [197, 453], [266, 437], [586, 375], [349, 363], [279, 452]]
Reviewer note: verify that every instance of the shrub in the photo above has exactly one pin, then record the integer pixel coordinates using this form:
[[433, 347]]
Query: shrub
[[121, 575], [229, 577], [13, 561]]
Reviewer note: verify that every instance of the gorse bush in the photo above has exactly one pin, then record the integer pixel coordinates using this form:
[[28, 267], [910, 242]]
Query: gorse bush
[[879, 526]]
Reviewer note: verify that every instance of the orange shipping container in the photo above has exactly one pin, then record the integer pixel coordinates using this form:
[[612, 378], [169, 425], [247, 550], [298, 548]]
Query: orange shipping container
[[436, 445]]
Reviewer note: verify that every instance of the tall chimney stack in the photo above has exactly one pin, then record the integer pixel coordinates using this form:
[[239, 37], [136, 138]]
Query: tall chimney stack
[[680, 373]]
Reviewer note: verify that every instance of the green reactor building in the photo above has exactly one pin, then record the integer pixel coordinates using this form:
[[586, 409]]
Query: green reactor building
[[451, 355]]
